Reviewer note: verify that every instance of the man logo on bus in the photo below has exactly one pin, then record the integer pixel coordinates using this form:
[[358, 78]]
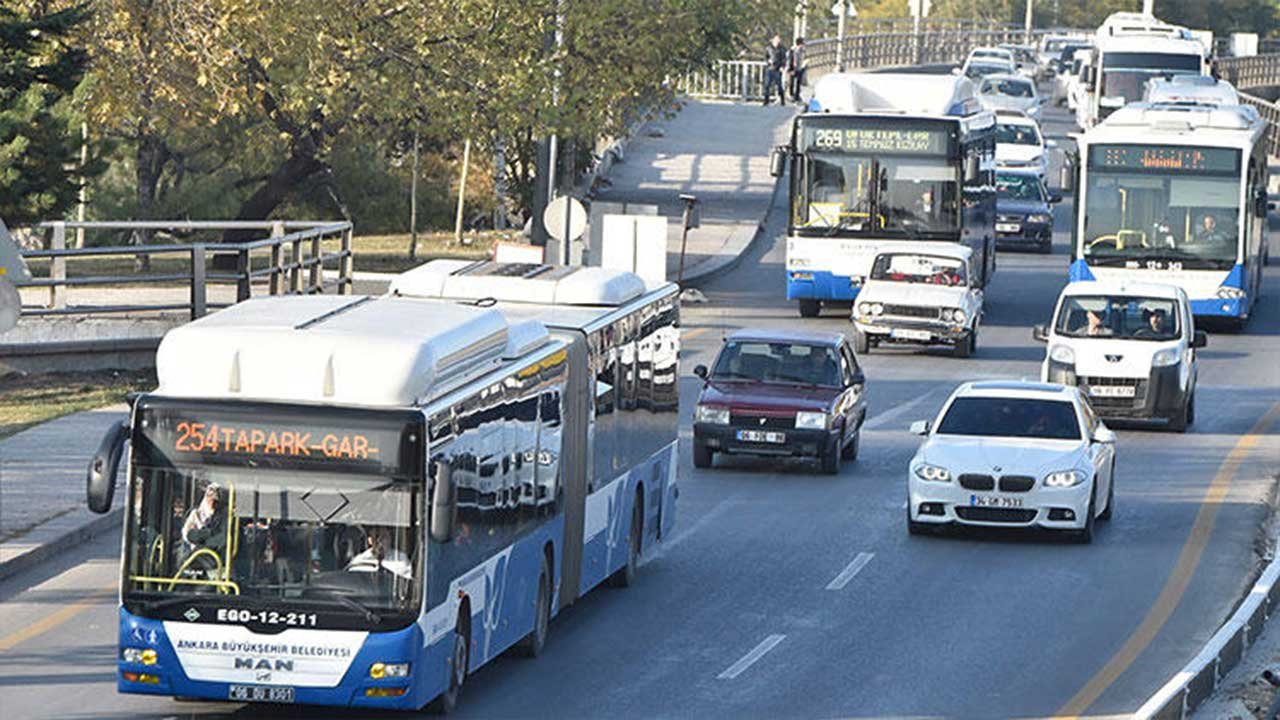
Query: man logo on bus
[[250, 663]]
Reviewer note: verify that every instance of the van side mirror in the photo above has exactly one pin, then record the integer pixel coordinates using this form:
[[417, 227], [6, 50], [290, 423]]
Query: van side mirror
[[100, 484], [1040, 333], [1104, 435], [1200, 339], [443, 507], [700, 371], [920, 427], [778, 162]]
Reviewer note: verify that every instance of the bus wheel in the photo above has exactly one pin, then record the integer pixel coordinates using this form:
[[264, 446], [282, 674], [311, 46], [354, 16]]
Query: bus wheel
[[447, 702], [809, 308], [626, 575], [536, 640]]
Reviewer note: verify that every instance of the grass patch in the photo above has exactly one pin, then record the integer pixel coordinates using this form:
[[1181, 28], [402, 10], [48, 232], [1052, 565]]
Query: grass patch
[[28, 400]]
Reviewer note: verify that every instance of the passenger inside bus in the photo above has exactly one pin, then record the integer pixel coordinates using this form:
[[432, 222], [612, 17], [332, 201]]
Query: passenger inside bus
[[205, 528]]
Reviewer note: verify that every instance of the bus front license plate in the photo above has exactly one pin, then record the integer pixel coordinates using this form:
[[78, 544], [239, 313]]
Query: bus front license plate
[[260, 693], [761, 436]]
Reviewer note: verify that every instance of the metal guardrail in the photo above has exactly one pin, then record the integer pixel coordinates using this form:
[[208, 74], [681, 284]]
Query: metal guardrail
[[1248, 73], [1202, 676], [291, 260], [1271, 113]]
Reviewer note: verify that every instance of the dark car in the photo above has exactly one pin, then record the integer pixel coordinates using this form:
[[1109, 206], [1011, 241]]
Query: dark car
[[784, 394], [1023, 216]]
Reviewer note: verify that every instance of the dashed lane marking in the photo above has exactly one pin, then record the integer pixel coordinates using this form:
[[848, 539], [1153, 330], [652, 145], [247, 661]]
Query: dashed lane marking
[[853, 568], [750, 658]]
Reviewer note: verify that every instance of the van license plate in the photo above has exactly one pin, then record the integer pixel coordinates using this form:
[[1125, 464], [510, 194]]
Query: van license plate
[[1113, 391], [260, 693]]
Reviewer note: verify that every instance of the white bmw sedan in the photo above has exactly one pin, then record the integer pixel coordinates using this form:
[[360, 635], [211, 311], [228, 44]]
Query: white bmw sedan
[[1013, 454]]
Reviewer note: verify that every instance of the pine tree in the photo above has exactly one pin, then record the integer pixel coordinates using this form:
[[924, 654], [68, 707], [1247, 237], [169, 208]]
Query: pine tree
[[39, 71]]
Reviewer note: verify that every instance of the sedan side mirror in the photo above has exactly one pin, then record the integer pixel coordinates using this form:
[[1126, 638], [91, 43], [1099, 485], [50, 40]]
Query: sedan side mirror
[[1055, 197], [859, 378], [700, 371], [956, 71], [1050, 143], [1040, 333], [920, 427], [1200, 339], [1104, 435]]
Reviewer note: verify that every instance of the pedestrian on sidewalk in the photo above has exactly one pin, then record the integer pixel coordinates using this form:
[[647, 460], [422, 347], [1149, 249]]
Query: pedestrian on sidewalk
[[775, 59], [798, 66]]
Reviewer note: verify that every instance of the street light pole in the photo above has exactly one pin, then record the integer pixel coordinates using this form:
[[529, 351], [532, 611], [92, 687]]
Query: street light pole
[[840, 21], [1026, 39]]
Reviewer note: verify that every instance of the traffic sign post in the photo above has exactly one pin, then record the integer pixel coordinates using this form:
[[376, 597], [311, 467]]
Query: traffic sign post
[[565, 220]]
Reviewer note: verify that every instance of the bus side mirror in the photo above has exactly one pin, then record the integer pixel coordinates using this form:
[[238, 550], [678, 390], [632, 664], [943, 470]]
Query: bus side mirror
[[1200, 339], [972, 168], [1067, 178], [1261, 205], [100, 484], [778, 162], [442, 503]]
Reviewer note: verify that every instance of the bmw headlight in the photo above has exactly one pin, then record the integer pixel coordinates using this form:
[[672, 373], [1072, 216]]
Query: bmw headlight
[[877, 309], [1039, 218], [811, 421], [1230, 293], [1062, 354], [712, 415], [1064, 479], [1165, 357], [932, 473]]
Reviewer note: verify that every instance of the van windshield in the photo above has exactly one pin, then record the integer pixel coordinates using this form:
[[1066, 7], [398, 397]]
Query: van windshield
[[1118, 317]]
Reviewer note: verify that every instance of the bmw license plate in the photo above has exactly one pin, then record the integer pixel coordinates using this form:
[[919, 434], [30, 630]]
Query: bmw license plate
[[907, 334], [761, 436], [1008, 227], [260, 693], [1112, 391], [994, 501]]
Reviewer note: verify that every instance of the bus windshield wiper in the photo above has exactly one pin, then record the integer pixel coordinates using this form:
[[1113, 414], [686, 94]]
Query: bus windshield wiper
[[154, 605], [369, 615]]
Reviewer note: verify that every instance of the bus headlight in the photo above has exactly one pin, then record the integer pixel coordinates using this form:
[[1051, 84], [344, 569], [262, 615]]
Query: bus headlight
[[811, 421], [142, 656], [1165, 357], [379, 671], [712, 415], [1230, 293], [1062, 354]]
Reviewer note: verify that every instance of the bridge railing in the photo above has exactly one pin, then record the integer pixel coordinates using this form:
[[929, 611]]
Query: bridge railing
[[1255, 73], [290, 258]]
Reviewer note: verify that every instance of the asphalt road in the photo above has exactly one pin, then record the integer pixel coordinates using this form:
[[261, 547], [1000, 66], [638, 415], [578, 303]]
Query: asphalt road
[[786, 593]]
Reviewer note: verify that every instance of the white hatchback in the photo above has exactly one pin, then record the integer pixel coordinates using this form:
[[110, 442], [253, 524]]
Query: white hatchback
[[1130, 347], [1013, 454]]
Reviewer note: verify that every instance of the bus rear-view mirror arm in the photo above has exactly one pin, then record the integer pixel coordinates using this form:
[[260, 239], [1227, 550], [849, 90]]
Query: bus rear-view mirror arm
[[100, 483]]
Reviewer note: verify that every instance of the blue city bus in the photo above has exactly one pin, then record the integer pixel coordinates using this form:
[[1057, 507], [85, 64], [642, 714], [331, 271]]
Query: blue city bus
[[359, 501], [884, 158], [1176, 193]]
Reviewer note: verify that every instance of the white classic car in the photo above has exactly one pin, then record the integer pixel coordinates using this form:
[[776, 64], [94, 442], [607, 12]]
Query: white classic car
[[920, 296]]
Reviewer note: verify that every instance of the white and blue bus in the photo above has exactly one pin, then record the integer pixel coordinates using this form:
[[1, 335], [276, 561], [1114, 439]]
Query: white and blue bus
[[1176, 193], [359, 501], [880, 158]]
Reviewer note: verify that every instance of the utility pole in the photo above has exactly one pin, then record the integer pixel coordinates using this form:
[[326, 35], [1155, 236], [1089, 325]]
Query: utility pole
[[413, 203], [1148, 7], [462, 191], [1026, 38], [840, 22]]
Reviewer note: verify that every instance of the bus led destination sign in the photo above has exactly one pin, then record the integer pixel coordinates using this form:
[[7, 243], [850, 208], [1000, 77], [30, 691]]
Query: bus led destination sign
[[877, 140], [1164, 157], [215, 438]]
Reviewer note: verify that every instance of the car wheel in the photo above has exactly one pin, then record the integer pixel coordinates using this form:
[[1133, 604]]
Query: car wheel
[[965, 345], [1111, 494], [861, 343], [702, 455], [1179, 420], [830, 460], [810, 308], [1084, 535], [850, 451], [1191, 409]]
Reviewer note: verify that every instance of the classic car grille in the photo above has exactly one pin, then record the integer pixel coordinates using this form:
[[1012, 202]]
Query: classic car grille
[[912, 311], [1016, 483], [996, 515], [1139, 394], [752, 421], [977, 482]]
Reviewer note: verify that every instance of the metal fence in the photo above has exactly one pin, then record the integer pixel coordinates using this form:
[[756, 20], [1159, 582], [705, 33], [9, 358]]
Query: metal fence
[[291, 259], [1247, 73]]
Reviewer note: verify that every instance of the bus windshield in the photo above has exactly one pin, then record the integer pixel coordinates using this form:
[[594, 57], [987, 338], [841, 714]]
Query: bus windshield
[[1165, 204], [913, 196]]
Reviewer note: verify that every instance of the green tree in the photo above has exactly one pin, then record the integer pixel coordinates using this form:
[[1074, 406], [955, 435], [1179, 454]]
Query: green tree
[[39, 72]]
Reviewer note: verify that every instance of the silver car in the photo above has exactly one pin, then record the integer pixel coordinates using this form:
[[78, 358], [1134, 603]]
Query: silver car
[[1010, 92]]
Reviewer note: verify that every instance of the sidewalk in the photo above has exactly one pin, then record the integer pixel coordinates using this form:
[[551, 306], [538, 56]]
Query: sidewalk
[[718, 151], [42, 488]]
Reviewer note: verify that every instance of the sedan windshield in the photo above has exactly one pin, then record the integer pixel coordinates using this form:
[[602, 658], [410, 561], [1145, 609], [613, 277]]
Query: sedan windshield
[[1019, 187], [1008, 88], [920, 269], [1129, 318], [977, 70], [777, 363], [1011, 417], [1007, 134]]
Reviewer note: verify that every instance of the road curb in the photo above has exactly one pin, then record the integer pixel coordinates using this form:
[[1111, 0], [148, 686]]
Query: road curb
[[61, 543], [728, 266], [1201, 677]]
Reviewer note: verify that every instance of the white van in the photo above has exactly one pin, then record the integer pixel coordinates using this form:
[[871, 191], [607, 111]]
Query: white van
[[1130, 347]]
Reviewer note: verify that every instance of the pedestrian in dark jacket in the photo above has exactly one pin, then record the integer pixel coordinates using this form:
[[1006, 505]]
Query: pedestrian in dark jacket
[[775, 58], [798, 66]]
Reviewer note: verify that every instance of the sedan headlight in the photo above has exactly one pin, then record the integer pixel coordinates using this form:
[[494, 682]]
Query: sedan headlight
[[877, 309], [1230, 293], [864, 308], [811, 421], [932, 473], [958, 316], [1064, 479], [1040, 218], [712, 415], [1165, 357], [1062, 354]]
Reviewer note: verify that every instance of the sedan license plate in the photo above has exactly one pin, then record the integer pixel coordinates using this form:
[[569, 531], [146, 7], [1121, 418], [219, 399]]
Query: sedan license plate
[[1112, 391], [761, 436], [1008, 227], [260, 693], [994, 501], [907, 334]]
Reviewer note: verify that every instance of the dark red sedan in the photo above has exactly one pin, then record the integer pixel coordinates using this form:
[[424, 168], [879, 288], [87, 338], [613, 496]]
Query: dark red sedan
[[781, 393]]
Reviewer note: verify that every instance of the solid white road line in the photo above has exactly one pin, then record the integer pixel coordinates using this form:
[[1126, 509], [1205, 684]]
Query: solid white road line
[[750, 658], [853, 568]]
